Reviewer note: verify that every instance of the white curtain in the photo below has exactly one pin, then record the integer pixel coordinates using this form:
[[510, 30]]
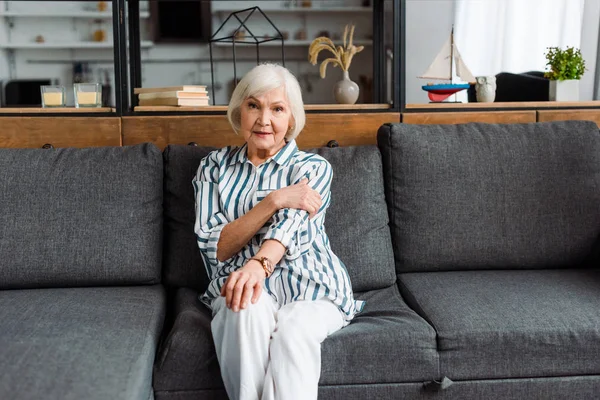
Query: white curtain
[[513, 35]]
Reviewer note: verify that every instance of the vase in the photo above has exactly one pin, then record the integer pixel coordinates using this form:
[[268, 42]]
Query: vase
[[567, 90], [485, 88], [346, 91]]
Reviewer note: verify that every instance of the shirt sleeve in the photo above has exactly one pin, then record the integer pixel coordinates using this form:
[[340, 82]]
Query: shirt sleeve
[[292, 227], [210, 219]]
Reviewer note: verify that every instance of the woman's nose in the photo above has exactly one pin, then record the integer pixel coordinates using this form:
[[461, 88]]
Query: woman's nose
[[264, 118]]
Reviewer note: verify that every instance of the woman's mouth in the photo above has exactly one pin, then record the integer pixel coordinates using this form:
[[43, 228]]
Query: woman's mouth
[[262, 134]]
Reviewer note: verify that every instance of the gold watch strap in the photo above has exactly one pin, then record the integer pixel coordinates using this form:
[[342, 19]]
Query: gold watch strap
[[266, 264]]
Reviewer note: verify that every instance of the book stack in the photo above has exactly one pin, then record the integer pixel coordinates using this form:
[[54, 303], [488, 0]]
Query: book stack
[[188, 95]]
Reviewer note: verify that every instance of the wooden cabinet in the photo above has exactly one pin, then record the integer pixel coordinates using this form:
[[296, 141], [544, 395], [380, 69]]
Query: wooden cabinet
[[35, 132], [564, 115], [214, 130], [329, 128], [494, 117]]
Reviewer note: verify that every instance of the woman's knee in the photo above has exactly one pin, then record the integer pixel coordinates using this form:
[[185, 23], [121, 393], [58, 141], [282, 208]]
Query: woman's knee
[[264, 306]]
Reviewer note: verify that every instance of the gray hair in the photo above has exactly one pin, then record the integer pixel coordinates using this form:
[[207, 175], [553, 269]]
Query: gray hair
[[262, 79]]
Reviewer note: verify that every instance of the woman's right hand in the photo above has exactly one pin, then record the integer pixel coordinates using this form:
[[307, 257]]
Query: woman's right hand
[[299, 196], [243, 286]]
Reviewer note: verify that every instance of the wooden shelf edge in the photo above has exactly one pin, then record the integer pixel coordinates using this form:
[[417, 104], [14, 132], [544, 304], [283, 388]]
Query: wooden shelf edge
[[62, 110], [307, 107], [499, 105]]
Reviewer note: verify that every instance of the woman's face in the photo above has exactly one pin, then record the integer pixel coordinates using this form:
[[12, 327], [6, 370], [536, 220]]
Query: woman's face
[[265, 120]]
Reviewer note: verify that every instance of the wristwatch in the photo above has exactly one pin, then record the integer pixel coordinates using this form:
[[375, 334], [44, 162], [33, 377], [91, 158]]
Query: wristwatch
[[266, 264]]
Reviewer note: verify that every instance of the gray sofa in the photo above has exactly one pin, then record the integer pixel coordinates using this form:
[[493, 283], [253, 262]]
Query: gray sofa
[[81, 304], [475, 246]]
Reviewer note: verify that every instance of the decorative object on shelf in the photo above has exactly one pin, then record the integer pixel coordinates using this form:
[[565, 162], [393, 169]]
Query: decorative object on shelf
[[87, 95], [306, 3], [99, 34], [40, 39], [186, 95], [345, 91], [243, 16], [485, 88], [323, 34], [443, 66], [106, 87], [53, 96], [102, 6], [566, 69], [301, 34], [239, 34]]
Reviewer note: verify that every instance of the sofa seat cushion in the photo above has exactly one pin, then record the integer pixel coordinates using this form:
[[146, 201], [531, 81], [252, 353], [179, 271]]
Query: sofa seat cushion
[[387, 342], [79, 343], [511, 323], [363, 244], [492, 196]]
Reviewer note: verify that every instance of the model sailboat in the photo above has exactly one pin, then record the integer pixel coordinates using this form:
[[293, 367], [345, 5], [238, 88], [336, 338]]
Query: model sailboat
[[442, 67]]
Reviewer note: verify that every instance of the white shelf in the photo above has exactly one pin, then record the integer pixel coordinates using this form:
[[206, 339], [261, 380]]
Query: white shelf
[[288, 43], [307, 9], [67, 45], [74, 14]]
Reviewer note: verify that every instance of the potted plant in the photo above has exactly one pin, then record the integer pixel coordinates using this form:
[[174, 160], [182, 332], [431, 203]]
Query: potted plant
[[345, 91], [566, 68]]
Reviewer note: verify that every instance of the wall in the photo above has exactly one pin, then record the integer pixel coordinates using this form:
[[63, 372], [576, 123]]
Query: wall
[[589, 47], [169, 64]]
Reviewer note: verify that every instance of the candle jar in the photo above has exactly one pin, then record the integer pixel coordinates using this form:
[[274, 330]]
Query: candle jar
[[53, 96], [87, 95]]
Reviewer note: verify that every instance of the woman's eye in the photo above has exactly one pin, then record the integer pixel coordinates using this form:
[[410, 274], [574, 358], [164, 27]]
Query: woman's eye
[[278, 109], [252, 105]]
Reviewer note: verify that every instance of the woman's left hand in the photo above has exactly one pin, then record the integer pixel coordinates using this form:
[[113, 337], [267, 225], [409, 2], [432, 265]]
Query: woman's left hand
[[243, 285]]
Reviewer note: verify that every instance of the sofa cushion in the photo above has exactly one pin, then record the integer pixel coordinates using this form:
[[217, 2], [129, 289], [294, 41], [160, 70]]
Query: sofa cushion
[[183, 265], [187, 359], [490, 196], [356, 222], [80, 217], [79, 343], [387, 342], [511, 324]]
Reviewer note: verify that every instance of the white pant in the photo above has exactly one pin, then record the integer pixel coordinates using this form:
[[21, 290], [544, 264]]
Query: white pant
[[271, 353]]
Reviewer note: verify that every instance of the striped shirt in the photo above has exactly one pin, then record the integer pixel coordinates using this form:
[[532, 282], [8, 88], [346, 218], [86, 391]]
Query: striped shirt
[[228, 185]]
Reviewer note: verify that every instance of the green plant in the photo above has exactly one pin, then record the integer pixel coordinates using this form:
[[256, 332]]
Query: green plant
[[564, 64]]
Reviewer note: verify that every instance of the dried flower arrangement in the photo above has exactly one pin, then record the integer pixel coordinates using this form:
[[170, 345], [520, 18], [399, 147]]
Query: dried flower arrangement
[[343, 54]]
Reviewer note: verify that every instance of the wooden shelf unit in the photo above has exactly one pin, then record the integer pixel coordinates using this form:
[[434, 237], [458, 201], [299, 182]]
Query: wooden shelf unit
[[307, 107]]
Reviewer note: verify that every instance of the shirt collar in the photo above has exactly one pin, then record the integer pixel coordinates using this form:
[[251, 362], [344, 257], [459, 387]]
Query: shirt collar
[[282, 157]]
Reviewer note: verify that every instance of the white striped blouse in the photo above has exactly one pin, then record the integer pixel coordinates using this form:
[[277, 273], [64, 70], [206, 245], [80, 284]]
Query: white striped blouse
[[227, 185]]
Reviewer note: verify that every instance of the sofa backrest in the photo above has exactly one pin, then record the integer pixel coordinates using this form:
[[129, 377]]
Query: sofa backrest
[[356, 222], [488, 196], [80, 217]]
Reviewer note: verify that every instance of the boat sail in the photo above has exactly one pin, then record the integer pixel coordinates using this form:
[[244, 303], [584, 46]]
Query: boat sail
[[445, 62]]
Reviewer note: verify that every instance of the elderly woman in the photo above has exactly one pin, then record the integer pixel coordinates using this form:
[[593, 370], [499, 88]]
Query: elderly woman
[[277, 290]]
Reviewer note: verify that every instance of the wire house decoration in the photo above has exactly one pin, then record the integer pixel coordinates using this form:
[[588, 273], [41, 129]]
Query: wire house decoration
[[236, 38]]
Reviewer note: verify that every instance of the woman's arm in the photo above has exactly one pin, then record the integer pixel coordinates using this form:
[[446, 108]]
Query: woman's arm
[[292, 227], [236, 234]]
